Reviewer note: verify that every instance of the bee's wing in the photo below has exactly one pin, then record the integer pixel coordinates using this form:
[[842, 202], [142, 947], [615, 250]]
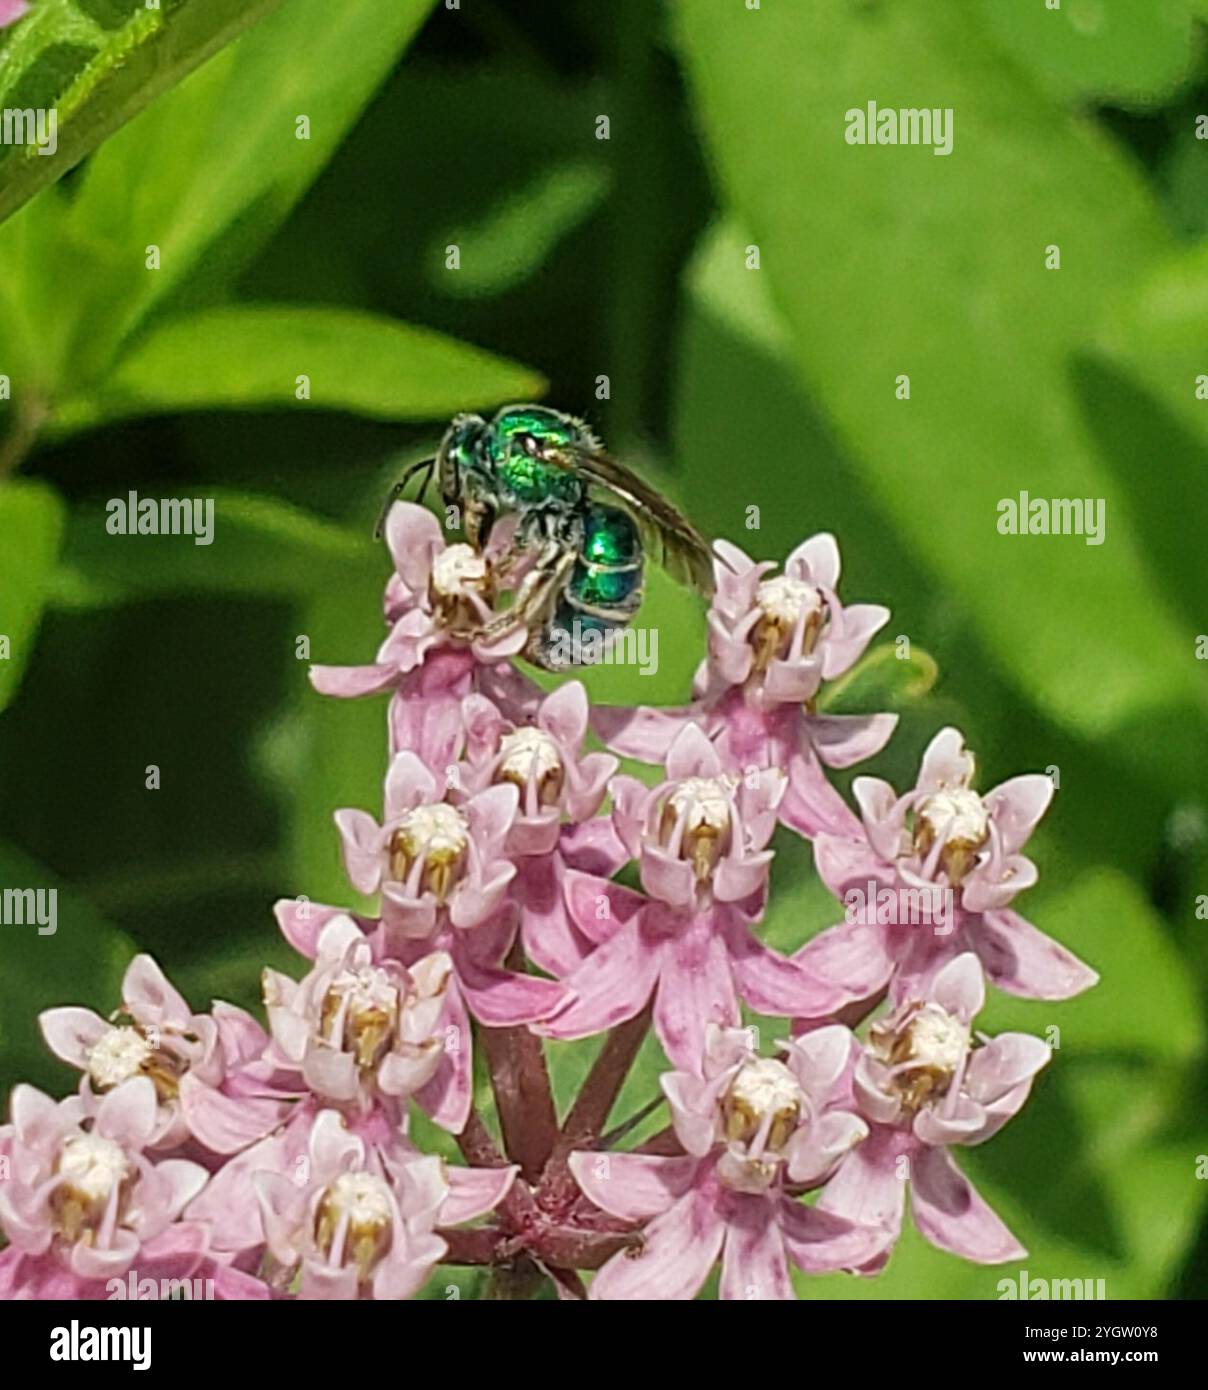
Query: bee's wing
[[678, 546]]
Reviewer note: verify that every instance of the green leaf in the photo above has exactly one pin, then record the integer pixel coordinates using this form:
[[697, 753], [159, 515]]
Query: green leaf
[[327, 753], [882, 680], [97, 63], [213, 170], [1145, 1001], [514, 238], [1130, 52], [1145, 393], [849, 271], [31, 526], [80, 962], [259, 545], [250, 357]]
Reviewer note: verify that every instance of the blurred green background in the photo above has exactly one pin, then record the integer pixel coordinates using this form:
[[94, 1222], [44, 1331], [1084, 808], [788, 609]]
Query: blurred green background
[[627, 258]]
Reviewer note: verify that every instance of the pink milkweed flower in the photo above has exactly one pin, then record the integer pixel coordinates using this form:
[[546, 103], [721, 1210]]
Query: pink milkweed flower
[[478, 985], [353, 1229], [773, 641], [428, 854], [561, 789], [359, 1031], [11, 11], [232, 1207], [700, 838], [755, 1129], [438, 595], [443, 873], [155, 1034], [941, 838], [786, 633], [924, 1082], [83, 1205], [702, 834]]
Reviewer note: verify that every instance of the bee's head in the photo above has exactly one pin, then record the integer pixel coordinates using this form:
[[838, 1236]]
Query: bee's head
[[458, 454]]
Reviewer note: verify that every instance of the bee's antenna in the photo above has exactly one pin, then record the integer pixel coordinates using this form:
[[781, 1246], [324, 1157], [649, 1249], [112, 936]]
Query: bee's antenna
[[425, 466]]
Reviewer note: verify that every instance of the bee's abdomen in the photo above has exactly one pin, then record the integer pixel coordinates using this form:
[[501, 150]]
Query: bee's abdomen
[[606, 581], [601, 596]]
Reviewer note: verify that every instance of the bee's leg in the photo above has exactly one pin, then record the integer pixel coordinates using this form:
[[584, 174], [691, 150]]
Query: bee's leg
[[425, 466], [533, 535], [534, 595]]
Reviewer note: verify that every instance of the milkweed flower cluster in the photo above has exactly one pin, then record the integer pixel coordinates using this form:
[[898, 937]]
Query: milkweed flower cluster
[[281, 1161]]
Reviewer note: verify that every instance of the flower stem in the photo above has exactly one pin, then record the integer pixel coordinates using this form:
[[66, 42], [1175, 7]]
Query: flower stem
[[523, 1094], [591, 1109], [518, 1210]]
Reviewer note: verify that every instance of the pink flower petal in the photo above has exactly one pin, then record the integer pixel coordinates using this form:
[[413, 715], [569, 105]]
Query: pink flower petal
[[302, 922], [753, 1264], [815, 1151], [692, 755], [447, 1098], [551, 939], [501, 998], [633, 1186], [149, 997], [958, 1121], [473, 1192], [408, 784], [414, 538], [228, 1204], [847, 639], [598, 906], [362, 847], [351, 682], [680, 1249], [667, 878], [950, 1213], [819, 1242], [1004, 1063], [492, 812], [645, 734], [593, 847], [563, 714], [127, 1114], [1022, 960], [71, 1033], [1017, 805], [870, 1189], [430, 728], [241, 1038], [946, 763], [811, 806], [774, 984], [223, 1124], [233, 1285], [851, 956], [696, 987], [842, 740], [815, 561], [613, 983], [960, 987]]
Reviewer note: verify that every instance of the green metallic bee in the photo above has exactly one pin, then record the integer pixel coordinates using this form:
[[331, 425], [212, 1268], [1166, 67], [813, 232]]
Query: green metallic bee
[[541, 466]]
